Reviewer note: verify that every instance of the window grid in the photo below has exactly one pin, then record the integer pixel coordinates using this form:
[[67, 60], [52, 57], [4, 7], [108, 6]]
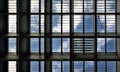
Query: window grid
[[37, 66], [63, 27]]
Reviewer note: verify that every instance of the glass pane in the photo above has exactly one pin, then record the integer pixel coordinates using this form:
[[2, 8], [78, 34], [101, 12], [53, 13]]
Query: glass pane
[[42, 24], [56, 44], [34, 28], [12, 66], [35, 6], [12, 44], [34, 44], [101, 66], [42, 66], [56, 23], [66, 66], [78, 6], [111, 66], [110, 23], [34, 66], [12, 6], [100, 6], [78, 23], [65, 23], [42, 6], [65, 6], [12, 23], [42, 44], [111, 44], [110, 6], [78, 45], [56, 66], [66, 45], [56, 6], [100, 23], [88, 6], [89, 66], [89, 45], [100, 44], [78, 66], [89, 23]]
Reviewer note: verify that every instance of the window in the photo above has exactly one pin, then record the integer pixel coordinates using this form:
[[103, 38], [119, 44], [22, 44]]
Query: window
[[85, 45], [37, 45], [58, 66], [60, 45], [37, 66], [37, 24], [106, 66], [106, 45]]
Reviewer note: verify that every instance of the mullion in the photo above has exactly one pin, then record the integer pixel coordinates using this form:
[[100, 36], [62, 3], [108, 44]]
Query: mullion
[[39, 26], [83, 66], [39, 16], [105, 18], [95, 29], [83, 17], [105, 45], [61, 46], [61, 16]]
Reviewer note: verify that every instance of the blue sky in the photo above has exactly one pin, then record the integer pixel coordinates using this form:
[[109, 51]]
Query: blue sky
[[78, 27]]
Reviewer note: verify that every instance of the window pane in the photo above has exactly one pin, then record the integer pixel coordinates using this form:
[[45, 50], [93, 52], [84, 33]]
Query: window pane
[[66, 66], [110, 6], [34, 44], [100, 23], [65, 23], [89, 66], [89, 45], [111, 44], [12, 44], [12, 23], [34, 67], [89, 23], [35, 6], [12, 6], [34, 28], [42, 44], [42, 66], [65, 6], [111, 66], [56, 23], [78, 23], [12, 66], [110, 23], [100, 44], [78, 45], [88, 6], [78, 66], [56, 6], [100, 6], [56, 45], [78, 6], [66, 45], [101, 66], [56, 66], [42, 24], [42, 6]]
